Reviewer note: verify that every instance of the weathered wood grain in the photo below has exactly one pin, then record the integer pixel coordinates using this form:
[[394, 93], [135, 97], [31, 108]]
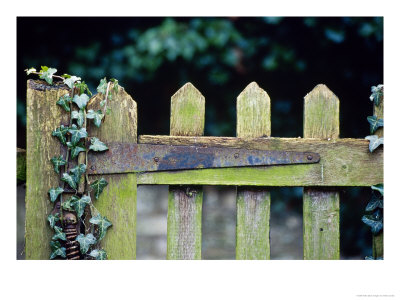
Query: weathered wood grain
[[43, 116], [185, 203], [377, 240], [118, 200], [344, 162], [253, 205], [321, 234]]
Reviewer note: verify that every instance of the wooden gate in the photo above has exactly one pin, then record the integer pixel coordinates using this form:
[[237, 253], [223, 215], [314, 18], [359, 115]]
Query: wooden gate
[[343, 162]]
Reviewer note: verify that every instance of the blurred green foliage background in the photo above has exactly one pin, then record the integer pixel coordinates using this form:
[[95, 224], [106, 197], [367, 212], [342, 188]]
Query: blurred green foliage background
[[153, 57]]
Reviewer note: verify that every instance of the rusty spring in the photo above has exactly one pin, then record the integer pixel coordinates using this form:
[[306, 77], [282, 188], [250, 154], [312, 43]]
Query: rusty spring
[[71, 232]]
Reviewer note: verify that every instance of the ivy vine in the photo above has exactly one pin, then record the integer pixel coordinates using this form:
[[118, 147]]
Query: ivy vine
[[374, 208], [85, 218]]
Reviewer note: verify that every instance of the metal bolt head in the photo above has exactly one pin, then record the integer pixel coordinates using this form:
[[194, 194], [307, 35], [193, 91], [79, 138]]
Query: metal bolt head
[[236, 155], [92, 168], [309, 157], [156, 159]]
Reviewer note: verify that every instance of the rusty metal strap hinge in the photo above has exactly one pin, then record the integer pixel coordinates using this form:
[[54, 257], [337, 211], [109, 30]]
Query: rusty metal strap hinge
[[127, 158]]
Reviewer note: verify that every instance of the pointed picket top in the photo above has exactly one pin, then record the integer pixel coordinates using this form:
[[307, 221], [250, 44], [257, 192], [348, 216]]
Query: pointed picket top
[[253, 108], [321, 113], [187, 109]]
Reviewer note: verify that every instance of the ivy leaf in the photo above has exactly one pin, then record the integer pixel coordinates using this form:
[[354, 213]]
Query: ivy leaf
[[69, 81], [69, 179], [375, 224], [377, 94], [75, 149], [61, 132], [102, 88], [77, 134], [102, 223], [30, 70], [98, 187], [57, 162], [97, 145], [80, 205], [98, 254], [57, 250], [79, 116], [374, 142], [69, 204], [115, 84], [81, 100], [374, 123], [77, 172], [85, 241], [96, 116], [54, 192], [47, 74], [378, 187], [53, 219], [64, 102], [60, 235], [374, 203], [82, 86]]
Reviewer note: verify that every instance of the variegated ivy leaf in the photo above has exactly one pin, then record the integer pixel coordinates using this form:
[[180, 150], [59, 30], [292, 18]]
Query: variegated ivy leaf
[[47, 74], [377, 94], [77, 172], [81, 100], [97, 145], [374, 221], [57, 162], [57, 250], [77, 134], [75, 149], [69, 204], [30, 70], [98, 254], [59, 235], [374, 203], [71, 80], [374, 123], [98, 187], [96, 116], [85, 241], [102, 88], [61, 133], [70, 180], [54, 193], [79, 116], [64, 102], [82, 87], [378, 187], [374, 142], [80, 204], [115, 84], [53, 219], [102, 224]]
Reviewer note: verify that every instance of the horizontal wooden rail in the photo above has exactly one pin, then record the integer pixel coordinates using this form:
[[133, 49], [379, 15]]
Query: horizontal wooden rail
[[344, 162]]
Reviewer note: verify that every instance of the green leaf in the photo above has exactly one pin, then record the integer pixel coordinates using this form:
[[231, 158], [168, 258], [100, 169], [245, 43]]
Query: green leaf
[[59, 235], [102, 87], [102, 223], [53, 219], [374, 203], [57, 162], [80, 204], [98, 187], [61, 133], [77, 172], [115, 84], [57, 250], [378, 187], [374, 142], [47, 74], [77, 134], [377, 94], [82, 87], [75, 149], [102, 102], [54, 193], [71, 80], [96, 116], [81, 100], [98, 254], [69, 204], [374, 123], [79, 116], [64, 102], [30, 70], [375, 224], [97, 145], [85, 241], [69, 179]]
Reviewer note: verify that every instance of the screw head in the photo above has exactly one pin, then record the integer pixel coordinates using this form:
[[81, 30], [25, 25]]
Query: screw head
[[92, 168], [309, 157], [236, 155], [156, 159]]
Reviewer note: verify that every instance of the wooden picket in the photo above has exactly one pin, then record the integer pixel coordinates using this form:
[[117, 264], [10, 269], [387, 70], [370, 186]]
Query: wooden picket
[[344, 162]]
